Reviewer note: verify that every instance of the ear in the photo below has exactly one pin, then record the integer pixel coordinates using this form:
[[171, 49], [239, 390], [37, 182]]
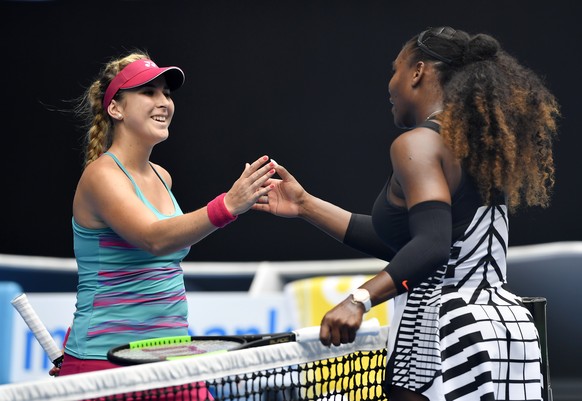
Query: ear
[[418, 73], [115, 110]]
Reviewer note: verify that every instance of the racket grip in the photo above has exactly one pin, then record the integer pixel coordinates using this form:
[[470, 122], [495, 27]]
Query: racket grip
[[368, 327], [39, 330]]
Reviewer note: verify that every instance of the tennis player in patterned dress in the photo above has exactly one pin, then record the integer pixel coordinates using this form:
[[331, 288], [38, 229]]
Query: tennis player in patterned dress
[[130, 234], [478, 144]]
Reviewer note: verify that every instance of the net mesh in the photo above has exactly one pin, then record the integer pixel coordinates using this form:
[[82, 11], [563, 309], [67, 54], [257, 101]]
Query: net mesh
[[290, 371]]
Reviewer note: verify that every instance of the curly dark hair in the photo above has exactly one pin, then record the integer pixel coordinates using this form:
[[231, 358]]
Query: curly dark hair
[[499, 118]]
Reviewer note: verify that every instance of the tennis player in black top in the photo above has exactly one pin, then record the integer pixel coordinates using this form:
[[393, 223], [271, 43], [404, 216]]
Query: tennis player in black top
[[477, 144]]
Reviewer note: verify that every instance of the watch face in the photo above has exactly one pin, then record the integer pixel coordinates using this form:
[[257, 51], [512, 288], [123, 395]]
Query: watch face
[[361, 295]]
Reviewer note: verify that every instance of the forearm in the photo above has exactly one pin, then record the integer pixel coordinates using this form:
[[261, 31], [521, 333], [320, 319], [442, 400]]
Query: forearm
[[170, 235], [326, 216], [381, 288]]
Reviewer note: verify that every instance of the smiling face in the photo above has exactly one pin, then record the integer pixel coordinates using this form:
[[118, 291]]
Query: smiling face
[[147, 110], [401, 92]]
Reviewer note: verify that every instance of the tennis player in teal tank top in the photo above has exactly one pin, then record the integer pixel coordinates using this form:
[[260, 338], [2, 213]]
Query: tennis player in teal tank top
[[130, 234], [113, 304]]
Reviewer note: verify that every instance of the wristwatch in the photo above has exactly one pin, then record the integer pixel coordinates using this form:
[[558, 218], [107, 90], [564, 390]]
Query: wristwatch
[[362, 296]]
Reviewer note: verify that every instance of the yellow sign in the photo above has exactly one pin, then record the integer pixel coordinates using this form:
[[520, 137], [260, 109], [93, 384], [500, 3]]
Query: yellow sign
[[344, 378], [312, 298]]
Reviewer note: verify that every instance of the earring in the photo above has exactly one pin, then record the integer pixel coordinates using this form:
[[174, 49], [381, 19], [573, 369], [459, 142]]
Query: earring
[[119, 117]]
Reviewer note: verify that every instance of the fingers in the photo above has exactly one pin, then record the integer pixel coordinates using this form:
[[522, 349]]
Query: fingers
[[255, 167], [251, 186], [340, 325], [260, 186], [259, 172], [252, 168], [260, 168], [283, 173], [325, 335], [336, 334], [264, 199]]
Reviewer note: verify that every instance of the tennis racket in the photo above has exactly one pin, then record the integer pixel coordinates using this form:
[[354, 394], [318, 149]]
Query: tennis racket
[[172, 348], [39, 330]]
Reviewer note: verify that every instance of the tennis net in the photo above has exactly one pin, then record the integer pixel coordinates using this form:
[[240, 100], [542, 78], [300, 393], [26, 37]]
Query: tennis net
[[289, 371]]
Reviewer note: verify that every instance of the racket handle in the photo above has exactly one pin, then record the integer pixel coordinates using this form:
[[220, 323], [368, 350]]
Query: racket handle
[[39, 330], [368, 327]]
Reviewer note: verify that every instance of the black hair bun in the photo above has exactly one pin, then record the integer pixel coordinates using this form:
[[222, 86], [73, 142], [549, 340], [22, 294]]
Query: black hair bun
[[480, 47]]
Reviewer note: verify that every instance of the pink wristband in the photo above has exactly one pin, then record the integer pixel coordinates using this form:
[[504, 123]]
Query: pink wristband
[[218, 213]]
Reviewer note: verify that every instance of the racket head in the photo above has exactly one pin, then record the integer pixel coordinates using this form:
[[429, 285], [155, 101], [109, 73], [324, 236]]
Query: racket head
[[170, 348]]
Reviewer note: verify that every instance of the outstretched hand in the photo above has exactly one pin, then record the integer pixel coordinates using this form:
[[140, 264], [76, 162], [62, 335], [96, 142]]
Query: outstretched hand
[[286, 197], [251, 185]]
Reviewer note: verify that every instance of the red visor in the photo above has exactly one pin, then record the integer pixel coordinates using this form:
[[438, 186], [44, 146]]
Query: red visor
[[141, 72]]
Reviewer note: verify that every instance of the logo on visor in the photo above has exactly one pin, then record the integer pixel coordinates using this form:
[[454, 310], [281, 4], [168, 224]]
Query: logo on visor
[[150, 64]]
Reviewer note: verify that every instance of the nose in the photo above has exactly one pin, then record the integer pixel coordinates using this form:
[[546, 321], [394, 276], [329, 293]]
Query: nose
[[162, 100]]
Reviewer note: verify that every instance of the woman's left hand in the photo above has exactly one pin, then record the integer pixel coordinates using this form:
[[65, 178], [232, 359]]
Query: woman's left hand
[[339, 325]]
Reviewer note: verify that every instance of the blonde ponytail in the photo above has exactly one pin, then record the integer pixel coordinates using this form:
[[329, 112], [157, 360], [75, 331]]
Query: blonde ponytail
[[90, 108]]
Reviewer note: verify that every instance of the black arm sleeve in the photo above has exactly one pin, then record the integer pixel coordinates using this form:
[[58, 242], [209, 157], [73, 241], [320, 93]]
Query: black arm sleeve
[[429, 248], [361, 236]]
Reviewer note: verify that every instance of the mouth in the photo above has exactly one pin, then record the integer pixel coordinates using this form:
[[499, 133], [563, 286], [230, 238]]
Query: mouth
[[160, 119]]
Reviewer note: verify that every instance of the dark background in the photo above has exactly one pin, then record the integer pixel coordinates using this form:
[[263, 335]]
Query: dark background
[[302, 81]]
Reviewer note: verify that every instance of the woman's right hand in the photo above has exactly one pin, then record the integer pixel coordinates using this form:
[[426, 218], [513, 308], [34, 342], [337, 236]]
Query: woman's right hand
[[286, 198], [251, 186]]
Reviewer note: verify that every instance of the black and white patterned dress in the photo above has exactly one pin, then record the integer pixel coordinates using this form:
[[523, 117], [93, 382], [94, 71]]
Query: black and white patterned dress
[[460, 335]]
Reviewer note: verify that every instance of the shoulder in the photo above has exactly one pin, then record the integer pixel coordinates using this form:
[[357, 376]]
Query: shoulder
[[418, 157], [102, 183], [417, 144], [163, 173], [102, 173]]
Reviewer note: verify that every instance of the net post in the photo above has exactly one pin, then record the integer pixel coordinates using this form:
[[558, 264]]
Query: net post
[[537, 307]]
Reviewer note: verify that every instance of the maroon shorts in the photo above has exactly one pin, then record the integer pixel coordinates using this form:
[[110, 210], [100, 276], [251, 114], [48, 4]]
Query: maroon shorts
[[72, 365], [196, 392]]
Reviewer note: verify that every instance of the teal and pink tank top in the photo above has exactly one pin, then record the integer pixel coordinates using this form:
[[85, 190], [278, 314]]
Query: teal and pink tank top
[[124, 293]]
